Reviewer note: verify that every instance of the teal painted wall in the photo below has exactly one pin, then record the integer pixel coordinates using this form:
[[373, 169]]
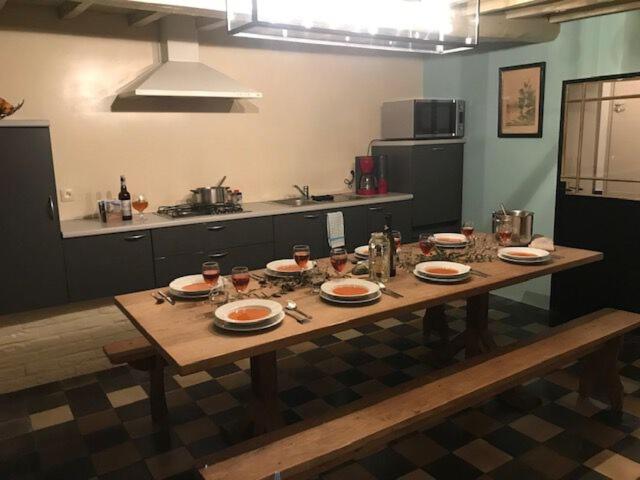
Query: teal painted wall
[[522, 172]]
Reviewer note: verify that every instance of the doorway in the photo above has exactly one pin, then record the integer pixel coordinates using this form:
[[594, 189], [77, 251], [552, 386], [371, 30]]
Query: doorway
[[598, 193]]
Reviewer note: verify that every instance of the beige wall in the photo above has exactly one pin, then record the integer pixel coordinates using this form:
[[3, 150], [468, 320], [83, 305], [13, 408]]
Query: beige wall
[[320, 109]]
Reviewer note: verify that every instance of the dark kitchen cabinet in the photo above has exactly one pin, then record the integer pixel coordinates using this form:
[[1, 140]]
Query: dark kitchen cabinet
[[400, 217], [31, 255], [432, 172], [252, 256], [106, 265], [236, 233]]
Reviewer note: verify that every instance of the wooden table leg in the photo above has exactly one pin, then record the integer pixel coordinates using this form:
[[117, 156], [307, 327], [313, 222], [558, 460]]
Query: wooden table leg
[[600, 371], [434, 320], [264, 383], [157, 397]]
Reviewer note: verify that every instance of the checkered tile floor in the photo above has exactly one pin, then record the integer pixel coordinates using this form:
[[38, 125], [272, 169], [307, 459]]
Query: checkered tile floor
[[98, 426]]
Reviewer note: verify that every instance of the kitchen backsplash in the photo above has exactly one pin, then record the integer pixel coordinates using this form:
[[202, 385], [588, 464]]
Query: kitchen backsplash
[[321, 107]]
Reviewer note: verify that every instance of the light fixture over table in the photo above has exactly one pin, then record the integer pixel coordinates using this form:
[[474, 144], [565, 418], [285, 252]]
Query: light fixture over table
[[428, 26]]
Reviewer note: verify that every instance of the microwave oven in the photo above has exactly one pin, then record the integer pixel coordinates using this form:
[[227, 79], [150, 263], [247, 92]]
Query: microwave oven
[[422, 118]]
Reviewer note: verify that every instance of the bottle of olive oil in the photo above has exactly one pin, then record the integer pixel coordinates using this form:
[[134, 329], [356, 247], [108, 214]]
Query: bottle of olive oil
[[125, 199], [388, 232]]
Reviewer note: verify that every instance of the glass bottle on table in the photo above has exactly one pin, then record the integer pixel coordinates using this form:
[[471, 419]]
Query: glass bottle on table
[[379, 253], [504, 229], [392, 245]]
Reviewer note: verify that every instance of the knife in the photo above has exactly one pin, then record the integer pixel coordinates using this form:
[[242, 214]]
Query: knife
[[167, 297]]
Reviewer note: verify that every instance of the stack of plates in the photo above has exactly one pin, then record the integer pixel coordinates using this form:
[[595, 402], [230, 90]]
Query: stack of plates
[[450, 240], [192, 286], [248, 315], [524, 255], [287, 268], [442, 272], [350, 291], [362, 253]]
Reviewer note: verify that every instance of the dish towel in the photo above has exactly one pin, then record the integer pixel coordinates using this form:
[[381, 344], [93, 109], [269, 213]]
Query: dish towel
[[335, 229]]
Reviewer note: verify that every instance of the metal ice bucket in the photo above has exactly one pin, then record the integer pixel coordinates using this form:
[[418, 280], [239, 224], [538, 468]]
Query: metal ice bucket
[[522, 226]]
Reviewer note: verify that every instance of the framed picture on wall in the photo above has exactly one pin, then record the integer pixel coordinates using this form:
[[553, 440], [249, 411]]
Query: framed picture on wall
[[521, 100]]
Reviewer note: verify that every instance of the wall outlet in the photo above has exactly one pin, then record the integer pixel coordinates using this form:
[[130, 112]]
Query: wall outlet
[[67, 195]]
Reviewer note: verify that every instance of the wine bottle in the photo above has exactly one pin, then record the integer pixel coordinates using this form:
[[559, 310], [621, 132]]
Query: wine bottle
[[388, 231], [125, 199]]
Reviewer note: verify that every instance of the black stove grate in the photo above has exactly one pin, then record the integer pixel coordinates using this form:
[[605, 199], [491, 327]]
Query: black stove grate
[[194, 209]]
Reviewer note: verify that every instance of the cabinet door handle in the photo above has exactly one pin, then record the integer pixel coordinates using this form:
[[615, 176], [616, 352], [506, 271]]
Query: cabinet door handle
[[134, 238], [375, 209], [216, 228], [51, 208], [437, 149], [219, 255], [311, 217]]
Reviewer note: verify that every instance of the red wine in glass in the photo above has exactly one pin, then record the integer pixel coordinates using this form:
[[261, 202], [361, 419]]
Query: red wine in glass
[[505, 237], [211, 272], [426, 244], [301, 255], [240, 281], [467, 230]]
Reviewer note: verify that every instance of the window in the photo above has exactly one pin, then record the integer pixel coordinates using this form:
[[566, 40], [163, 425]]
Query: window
[[601, 138]]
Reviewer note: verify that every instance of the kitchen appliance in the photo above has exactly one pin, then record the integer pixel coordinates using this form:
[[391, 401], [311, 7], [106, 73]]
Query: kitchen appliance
[[195, 209], [383, 184], [366, 181], [212, 195], [423, 118], [522, 221]]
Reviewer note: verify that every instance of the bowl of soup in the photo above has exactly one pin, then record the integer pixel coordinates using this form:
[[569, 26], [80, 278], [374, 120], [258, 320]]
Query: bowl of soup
[[248, 311], [443, 269], [349, 289]]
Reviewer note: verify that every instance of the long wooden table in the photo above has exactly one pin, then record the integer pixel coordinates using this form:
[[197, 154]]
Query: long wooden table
[[185, 336]]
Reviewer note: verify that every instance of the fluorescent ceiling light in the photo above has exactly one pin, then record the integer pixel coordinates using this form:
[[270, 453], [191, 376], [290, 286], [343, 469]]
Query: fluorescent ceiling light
[[433, 26]]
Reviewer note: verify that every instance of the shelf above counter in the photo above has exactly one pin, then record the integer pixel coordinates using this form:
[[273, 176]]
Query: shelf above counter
[[93, 226]]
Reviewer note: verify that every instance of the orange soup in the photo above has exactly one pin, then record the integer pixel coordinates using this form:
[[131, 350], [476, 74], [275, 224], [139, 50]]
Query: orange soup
[[442, 271], [247, 314], [196, 287], [522, 254], [350, 290], [289, 268]]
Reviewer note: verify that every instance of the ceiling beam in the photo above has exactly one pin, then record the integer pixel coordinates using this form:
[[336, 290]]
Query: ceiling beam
[[197, 8], [495, 6], [144, 19], [594, 12], [208, 24], [558, 7], [69, 10]]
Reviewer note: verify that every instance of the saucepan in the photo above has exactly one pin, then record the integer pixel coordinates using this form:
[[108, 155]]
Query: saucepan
[[211, 195]]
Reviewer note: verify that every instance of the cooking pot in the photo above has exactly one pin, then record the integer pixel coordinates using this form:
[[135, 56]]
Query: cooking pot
[[522, 226], [211, 195]]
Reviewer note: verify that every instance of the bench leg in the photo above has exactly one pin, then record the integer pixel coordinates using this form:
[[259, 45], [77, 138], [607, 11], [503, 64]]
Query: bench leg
[[434, 320], [264, 383], [600, 371]]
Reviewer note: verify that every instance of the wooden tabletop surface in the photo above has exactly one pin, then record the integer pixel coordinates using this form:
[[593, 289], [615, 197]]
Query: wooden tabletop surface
[[184, 333]]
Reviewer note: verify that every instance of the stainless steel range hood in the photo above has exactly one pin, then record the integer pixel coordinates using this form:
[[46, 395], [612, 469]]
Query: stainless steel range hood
[[181, 74]]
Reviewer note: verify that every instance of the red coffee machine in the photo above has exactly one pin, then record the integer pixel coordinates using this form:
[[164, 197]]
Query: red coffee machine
[[366, 175]]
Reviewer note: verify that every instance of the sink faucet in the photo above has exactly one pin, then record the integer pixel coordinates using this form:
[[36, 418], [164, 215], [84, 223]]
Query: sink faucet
[[304, 191]]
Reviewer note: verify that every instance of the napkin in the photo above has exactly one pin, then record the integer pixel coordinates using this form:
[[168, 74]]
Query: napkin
[[335, 229], [543, 243]]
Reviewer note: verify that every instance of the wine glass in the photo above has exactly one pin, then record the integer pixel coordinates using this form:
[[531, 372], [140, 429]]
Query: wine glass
[[240, 279], [504, 229], [467, 229], [426, 243], [140, 204], [301, 255], [339, 259], [211, 274]]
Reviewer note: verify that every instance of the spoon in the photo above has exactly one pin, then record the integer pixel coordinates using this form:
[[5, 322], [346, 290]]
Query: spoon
[[291, 305]]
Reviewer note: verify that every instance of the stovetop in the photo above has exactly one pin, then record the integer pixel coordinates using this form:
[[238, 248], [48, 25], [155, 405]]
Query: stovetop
[[195, 209]]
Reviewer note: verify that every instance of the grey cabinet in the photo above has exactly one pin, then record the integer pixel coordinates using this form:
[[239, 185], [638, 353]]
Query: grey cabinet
[[310, 228], [400, 217], [433, 174], [31, 255], [106, 265], [181, 250]]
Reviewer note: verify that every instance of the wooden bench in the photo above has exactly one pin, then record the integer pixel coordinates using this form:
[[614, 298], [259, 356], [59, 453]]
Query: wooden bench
[[140, 354], [309, 448]]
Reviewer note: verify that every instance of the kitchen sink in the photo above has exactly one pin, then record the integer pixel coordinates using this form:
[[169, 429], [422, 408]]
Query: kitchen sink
[[295, 202]]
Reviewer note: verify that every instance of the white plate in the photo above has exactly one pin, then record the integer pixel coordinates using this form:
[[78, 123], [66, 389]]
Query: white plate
[[461, 269], [537, 254], [422, 276], [223, 312], [178, 284], [450, 240], [362, 251], [523, 262], [248, 328], [350, 302], [272, 267], [328, 289]]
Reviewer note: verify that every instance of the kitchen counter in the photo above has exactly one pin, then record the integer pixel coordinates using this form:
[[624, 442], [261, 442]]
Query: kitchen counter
[[93, 226]]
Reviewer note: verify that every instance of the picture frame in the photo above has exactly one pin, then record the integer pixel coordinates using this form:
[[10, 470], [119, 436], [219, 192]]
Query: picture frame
[[521, 100]]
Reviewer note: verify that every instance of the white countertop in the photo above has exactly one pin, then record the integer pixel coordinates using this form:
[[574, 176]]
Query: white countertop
[[93, 226]]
